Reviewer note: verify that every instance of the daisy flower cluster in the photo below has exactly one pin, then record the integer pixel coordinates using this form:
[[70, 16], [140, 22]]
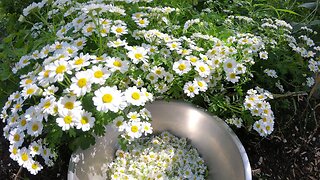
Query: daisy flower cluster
[[256, 103], [99, 62], [164, 156]]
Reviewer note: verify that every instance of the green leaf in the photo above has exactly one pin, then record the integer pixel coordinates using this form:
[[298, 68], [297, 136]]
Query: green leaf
[[310, 5], [288, 11]]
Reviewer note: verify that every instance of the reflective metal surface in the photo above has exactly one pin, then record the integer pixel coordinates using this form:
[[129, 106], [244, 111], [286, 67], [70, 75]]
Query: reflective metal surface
[[215, 141]]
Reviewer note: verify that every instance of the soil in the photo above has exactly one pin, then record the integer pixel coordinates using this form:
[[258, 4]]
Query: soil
[[291, 152]]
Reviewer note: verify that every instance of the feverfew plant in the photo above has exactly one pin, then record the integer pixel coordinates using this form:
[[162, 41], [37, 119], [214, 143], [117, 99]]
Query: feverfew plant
[[99, 62]]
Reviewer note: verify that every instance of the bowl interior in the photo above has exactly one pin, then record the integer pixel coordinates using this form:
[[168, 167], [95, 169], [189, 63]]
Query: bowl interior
[[215, 141]]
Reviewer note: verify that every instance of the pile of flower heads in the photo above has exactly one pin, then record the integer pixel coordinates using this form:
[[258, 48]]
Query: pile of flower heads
[[164, 156]]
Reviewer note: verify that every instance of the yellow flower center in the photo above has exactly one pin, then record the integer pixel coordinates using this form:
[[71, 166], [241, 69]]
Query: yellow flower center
[[70, 51], [60, 69], [24, 157], [107, 98], [117, 63], [138, 56], [25, 61], [174, 45], [89, 29], [23, 122], [82, 82], [134, 129], [34, 166], [103, 31], [202, 69], [30, 91], [119, 30], [141, 21], [268, 128], [46, 73], [79, 43], [191, 88], [229, 65], [84, 120], [135, 96], [69, 105], [28, 81], [16, 137], [99, 58], [35, 127], [232, 75], [119, 123], [14, 151], [158, 71], [193, 59], [59, 46], [35, 148], [200, 84], [182, 67], [98, 74], [47, 105], [79, 61], [67, 119]]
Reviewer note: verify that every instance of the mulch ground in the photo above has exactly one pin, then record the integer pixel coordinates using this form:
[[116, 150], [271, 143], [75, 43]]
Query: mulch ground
[[292, 152]]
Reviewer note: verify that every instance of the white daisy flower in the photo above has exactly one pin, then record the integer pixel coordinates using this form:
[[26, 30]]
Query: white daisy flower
[[117, 43], [27, 81], [57, 70], [34, 167], [35, 148], [67, 103], [22, 123], [118, 122], [109, 98], [30, 90], [202, 84], [86, 121], [159, 71], [152, 77], [232, 77], [133, 116], [24, 157], [135, 97], [80, 61], [263, 55], [161, 87], [16, 137], [49, 91], [190, 89], [142, 22], [181, 67], [47, 104], [134, 130], [34, 128], [99, 59], [119, 30], [116, 64], [138, 54], [88, 29], [229, 65], [14, 152], [99, 74], [202, 69], [80, 43], [146, 128], [192, 59], [67, 119], [168, 77], [81, 83], [174, 45], [145, 113]]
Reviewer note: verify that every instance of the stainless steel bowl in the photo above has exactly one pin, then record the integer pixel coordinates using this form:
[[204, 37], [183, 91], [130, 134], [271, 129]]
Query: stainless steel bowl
[[217, 144]]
